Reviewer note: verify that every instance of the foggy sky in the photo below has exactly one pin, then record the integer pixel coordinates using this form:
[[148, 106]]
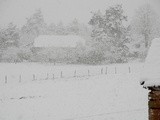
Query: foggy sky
[[54, 11]]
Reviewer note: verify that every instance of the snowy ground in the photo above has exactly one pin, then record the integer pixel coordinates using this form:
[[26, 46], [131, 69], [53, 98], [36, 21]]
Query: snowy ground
[[101, 97]]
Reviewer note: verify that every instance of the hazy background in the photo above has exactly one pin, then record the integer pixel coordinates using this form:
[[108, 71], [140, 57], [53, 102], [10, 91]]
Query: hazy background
[[114, 31], [61, 10]]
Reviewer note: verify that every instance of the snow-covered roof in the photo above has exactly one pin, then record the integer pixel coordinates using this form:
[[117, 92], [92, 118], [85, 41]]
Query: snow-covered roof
[[58, 41], [151, 72]]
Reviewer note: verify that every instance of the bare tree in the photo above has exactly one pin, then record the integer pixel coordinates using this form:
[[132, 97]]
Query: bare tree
[[145, 23]]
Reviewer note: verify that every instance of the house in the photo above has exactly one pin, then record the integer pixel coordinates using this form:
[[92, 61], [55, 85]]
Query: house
[[56, 48], [58, 41]]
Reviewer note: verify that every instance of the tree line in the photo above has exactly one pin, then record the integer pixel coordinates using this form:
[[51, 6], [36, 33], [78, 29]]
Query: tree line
[[110, 38]]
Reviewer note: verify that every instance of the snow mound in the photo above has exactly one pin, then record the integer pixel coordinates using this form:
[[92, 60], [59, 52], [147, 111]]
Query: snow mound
[[151, 72]]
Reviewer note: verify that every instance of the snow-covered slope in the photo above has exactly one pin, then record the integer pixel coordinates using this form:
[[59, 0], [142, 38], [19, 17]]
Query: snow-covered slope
[[102, 97], [151, 72]]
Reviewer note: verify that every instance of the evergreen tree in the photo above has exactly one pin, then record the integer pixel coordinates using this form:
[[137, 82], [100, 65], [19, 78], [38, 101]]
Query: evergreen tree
[[109, 33], [9, 36], [34, 27]]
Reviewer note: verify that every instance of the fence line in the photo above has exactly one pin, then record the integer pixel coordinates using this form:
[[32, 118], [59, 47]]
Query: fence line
[[102, 71]]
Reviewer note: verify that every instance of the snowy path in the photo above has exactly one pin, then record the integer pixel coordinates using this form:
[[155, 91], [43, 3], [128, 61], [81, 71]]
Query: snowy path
[[104, 97]]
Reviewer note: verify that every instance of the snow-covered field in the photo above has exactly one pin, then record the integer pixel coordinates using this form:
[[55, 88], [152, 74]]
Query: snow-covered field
[[96, 97]]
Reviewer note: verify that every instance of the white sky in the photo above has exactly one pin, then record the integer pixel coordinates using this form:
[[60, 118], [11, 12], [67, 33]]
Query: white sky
[[17, 11]]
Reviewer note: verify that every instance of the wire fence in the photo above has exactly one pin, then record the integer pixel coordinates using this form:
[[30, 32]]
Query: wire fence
[[64, 74]]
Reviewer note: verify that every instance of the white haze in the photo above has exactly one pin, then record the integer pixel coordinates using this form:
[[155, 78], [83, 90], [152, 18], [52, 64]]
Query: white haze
[[54, 11]]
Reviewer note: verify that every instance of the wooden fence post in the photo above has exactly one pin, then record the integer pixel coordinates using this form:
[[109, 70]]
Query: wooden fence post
[[115, 70], [106, 70], [5, 79], [20, 78], [129, 70], [88, 73], [61, 74], [101, 70], [75, 73], [53, 76], [34, 77]]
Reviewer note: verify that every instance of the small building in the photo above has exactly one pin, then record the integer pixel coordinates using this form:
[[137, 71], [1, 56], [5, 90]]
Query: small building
[[150, 79], [58, 41], [57, 48]]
